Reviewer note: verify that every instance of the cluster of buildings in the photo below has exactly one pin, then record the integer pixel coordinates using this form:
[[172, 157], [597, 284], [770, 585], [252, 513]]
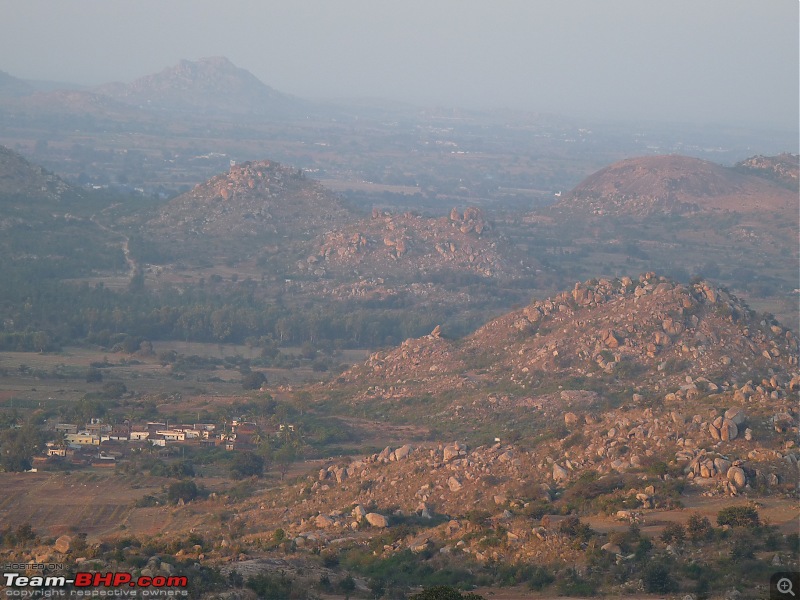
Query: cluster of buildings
[[101, 444]]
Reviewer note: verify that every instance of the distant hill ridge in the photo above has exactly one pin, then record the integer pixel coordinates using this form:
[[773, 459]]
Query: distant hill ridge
[[12, 87], [674, 184], [210, 85]]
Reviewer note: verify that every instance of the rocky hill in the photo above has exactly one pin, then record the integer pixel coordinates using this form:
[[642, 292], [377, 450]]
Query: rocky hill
[[649, 341], [782, 169], [208, 85], [306, 228], [20, 178], [258, 198], [674, 184], [406, 242], [647, 394]]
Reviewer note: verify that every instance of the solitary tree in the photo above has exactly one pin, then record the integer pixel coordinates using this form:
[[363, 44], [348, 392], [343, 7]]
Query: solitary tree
[[247, 464]]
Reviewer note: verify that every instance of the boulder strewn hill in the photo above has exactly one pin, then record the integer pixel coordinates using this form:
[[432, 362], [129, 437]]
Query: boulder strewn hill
[[782, 169], [592, 346], [618, 399], [307, 228], [408, 242], [258, 198]]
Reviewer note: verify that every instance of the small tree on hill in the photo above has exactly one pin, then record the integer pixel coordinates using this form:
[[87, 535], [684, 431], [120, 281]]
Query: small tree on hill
[[699, 528], [253, 380], [182, 490], [247, 464]]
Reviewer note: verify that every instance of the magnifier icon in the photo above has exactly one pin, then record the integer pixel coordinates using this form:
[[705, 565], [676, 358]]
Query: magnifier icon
[[784, 586]]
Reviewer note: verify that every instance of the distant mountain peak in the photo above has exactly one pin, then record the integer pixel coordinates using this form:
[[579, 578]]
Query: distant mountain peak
[[209, 85]]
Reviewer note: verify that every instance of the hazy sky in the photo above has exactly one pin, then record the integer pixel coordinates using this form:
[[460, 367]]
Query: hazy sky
[[725, 61]]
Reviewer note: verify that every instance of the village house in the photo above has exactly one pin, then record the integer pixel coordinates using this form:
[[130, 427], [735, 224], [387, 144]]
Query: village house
[[189, 431], [138, 434], [120, 431], [82, 438], [53, 450], [171, 435], [97, 427]]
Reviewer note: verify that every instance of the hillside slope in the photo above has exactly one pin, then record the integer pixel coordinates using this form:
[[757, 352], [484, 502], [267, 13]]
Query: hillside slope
[[20, 178]]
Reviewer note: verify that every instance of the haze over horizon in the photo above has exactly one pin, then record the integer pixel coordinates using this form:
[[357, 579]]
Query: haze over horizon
[[716, 62]]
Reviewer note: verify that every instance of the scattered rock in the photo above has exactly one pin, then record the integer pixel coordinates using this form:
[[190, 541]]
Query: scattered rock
[[63, 544], [454, 484], [377, 520], [560, 473]]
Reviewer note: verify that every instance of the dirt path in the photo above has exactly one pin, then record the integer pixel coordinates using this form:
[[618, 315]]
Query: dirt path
[[133, 267]]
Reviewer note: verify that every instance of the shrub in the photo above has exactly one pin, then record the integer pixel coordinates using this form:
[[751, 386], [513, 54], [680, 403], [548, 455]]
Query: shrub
[[146, 501], [114, 389], [793, 542], [658, 579], [673, 533], [742, 546], [253, 380], [699, 528], [271, 587], [182, 490], [738, 516], [573, 528], [539, 578], [94, 375], [570, 583]]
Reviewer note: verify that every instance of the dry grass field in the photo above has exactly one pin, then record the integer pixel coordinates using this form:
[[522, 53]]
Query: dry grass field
[[58, 503], [93, 501]]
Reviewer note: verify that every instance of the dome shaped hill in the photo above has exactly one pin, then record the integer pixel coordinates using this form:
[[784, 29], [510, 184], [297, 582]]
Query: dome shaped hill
[[258, 199], [674, 184]]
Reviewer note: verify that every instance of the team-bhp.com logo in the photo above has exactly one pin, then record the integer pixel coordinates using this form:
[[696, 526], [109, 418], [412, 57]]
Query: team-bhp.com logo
[[93, 584]]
